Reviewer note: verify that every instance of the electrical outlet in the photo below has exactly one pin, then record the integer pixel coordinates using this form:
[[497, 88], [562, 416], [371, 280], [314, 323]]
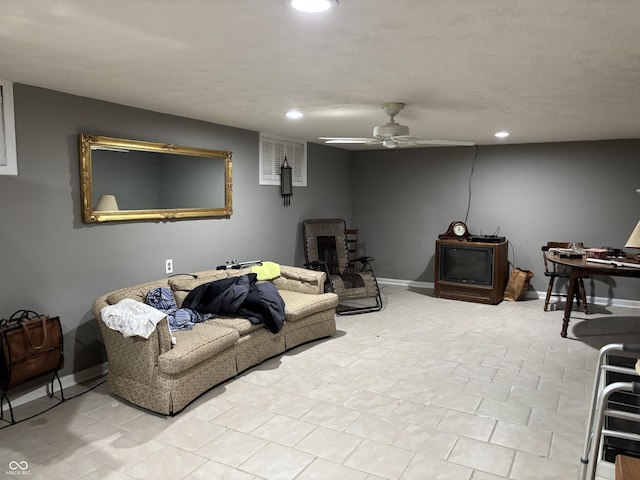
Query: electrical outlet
[[168, 266]]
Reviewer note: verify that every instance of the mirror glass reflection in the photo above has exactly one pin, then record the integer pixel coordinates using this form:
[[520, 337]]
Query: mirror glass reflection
[[134, 180]]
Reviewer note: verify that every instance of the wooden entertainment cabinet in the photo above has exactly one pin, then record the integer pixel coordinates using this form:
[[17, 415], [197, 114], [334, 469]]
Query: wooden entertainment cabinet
[[472, 292]]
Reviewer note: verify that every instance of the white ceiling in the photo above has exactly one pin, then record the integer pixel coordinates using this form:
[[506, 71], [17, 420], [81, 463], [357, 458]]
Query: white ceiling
[[546, 70]]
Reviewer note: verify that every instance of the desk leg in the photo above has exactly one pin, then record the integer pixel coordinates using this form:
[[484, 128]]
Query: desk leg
[[571, 293]]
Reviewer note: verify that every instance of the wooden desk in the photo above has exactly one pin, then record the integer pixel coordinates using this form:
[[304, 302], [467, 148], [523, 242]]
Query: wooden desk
[[581, 268], [627, 468]]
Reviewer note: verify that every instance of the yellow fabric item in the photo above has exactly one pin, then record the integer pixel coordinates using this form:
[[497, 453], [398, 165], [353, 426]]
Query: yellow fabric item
[[266, 271]]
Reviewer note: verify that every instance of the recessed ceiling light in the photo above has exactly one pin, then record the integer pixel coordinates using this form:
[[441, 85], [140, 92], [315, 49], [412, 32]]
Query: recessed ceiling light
[[313, 6], [294, 115], [502, 134]]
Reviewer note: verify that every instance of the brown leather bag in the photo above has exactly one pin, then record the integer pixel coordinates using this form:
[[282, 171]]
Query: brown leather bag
[[30, 346]]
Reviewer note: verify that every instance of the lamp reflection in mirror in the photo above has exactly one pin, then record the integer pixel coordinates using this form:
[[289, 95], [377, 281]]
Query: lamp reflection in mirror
[[107, 203], [634, 239]]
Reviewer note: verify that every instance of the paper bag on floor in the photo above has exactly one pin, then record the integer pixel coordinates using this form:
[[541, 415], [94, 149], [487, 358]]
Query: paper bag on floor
[[518, 283]]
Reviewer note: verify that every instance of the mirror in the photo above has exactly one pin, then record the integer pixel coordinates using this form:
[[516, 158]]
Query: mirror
[[135, 180]]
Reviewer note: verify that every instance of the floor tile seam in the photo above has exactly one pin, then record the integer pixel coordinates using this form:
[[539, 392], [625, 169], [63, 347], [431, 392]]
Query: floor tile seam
[[248, 472], [557, 433], [568, 394], [579, 438], [317, 455], [301, 472], [415, 454], [447, 459], [574, 465], [493, 384], [278, 412], [146, 457], [493, 375], [86, 474], [344, 462], [42, 458], [226, 425], [480, 406], [222, 461], [348, 425], [512, 465], [459, 376], [120, 431], [437, 426], [51, 430], [359, 390], [205, 461], [553, 410], [50, 411], [513, 447], [468, 437], [498, 367], [257, 435], [160, 436], [578, 418], [427, 454]]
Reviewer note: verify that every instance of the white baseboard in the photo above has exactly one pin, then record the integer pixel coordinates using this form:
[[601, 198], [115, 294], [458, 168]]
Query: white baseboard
[[22, 397], [614, 302], [405, 283]]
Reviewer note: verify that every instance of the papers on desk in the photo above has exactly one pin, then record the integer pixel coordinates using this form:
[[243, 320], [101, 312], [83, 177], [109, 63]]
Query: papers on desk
[[614, 263], [566, 252]]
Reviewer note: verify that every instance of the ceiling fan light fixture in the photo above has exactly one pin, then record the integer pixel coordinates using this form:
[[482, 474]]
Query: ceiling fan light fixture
[[390, 129], [313, 6], [389, 143], [502, 134]]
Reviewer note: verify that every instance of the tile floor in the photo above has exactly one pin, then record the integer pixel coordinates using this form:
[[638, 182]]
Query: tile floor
[[425, 389]]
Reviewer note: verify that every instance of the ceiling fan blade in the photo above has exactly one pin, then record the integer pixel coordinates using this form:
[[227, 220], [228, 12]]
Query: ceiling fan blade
[[405, 139], [363, 140], [462, 143]]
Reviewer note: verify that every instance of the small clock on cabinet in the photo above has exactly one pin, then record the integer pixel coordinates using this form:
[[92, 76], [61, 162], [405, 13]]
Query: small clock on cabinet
[[457, 230]]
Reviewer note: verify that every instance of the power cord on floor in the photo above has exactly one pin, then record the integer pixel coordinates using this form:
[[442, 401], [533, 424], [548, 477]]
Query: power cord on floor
[[53, 406]]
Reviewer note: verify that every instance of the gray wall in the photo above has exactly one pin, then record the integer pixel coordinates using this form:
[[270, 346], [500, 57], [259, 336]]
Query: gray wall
[[582, 191], [55, 264], [400, 199]]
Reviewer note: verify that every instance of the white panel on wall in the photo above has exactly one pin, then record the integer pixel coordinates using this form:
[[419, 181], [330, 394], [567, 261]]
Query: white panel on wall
[[273, 149], [8, 157]]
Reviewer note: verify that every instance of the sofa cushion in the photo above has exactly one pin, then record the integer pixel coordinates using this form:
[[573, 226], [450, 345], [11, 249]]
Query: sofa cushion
[[242, 325], [299, 280], [137, 292], [193, 346], [300, 305], [188, 282]]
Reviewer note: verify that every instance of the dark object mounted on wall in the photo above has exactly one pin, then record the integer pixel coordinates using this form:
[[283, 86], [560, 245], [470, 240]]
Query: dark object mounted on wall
[[286, 182]]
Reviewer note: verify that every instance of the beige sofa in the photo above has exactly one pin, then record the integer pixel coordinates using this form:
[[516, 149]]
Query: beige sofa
[[157, 376]]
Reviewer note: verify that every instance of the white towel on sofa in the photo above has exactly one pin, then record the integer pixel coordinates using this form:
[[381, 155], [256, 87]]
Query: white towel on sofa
[[131, 317]]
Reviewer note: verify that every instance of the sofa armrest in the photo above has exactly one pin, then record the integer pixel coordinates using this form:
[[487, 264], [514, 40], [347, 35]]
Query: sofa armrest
[[132, 357], [300, 280]]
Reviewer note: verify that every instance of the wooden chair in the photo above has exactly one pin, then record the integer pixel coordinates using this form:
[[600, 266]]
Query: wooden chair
[[553, 271]]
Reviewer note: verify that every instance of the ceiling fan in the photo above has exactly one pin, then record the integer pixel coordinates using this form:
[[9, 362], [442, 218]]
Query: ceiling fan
[[392, 134]]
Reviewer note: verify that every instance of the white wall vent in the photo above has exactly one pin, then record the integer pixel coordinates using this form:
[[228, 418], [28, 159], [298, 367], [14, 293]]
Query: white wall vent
[[273, 149], [8, 156]]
